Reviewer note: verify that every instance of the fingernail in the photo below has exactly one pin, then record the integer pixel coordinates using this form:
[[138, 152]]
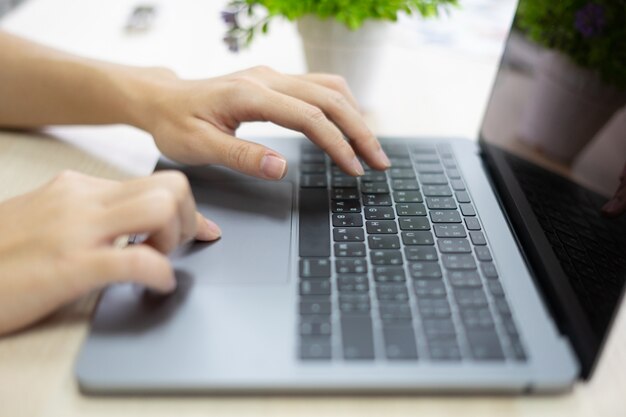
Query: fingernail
[[357, 167], [382, 156], [273, 167], [214, 228]]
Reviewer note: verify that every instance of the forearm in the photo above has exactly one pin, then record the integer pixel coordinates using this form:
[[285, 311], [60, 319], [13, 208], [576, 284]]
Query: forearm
[[41, 86]]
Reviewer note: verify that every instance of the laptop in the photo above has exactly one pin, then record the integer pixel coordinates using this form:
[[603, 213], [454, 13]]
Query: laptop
[[465, 267]]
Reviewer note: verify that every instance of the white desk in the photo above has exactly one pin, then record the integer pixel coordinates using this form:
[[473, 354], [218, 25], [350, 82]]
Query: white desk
[[446, 98]]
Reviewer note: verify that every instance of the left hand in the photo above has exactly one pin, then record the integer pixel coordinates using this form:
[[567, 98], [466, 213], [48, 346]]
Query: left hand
[[617, 205], [194, 122]]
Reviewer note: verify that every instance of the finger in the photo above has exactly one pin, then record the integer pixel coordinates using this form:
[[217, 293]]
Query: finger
[[207, 230], [333, 82], [170, 181], [617, 205], [257, 102], [154, 212], [137, 263], [337, 107]]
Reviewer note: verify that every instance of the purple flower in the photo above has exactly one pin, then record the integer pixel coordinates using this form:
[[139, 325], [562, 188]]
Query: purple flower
[[232, 41], [590, 20], [230, 17]]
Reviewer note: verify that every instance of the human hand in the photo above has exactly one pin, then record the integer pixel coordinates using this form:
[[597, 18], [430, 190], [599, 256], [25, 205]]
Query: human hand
[[617, 205], [194, 122], [57, 242]]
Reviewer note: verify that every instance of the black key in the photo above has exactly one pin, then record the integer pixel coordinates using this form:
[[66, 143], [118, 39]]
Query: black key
[[348, 234], [351, 266], [404, 185], [346, 206], [472, 223], [410, 209], [402, 173], [321, 308], [441, 203], [459, 262], [426, 158], [357, 337], [353, 283], [464, 279], [379, 213], [343, 181], [313, 181], [381, 227], [386, 257], [383, 242], [314, 223], [414, 223], [434, 308], [315, 348], [354, 307], [449, 230], [428, 288], [454, 245], [347, 220], [418, 238], [313, 168], [400, 162], [315, 287], [312, 157], [518, 349], [467, 209], [495, 288], [407, 197], [482, 253], [470, 297], [478, 238], [350, 250], [429, 168], [374, 176], [314, 268], [489, 270], [376, 199], [445, 216], [420, 253], [392, 292], [394, 311], [396, 150], [434, 179], [399, 341], [477, 318], [425, 270], [424, 149], [457, 185], [437, 191], [485, 345], [462, 196], [439, 328], [448, 162], [345, 194], [374, 188], [315, 326], [502, 306], [389, 274], [444, 349]]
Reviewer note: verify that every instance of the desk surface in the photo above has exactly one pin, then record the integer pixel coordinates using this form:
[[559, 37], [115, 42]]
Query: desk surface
[[36, 366]]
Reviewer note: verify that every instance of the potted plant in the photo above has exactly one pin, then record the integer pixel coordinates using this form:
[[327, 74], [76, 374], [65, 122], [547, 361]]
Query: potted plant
[[580, 78], [345, 37]]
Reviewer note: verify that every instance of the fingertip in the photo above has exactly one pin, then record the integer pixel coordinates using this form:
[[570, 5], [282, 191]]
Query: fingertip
[[208, 230], [273, 167]]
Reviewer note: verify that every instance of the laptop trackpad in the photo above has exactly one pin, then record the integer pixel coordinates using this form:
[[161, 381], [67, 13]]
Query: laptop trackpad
[[255, 218]]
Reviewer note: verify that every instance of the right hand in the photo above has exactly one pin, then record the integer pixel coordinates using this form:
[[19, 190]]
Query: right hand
[[57, 242]]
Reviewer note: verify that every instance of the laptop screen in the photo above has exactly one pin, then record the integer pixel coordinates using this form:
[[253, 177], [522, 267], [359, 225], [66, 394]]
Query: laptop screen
[[559, 102]]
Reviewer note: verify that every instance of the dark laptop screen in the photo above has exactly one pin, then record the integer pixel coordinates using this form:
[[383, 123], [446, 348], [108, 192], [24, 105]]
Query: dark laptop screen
[[559, 100]]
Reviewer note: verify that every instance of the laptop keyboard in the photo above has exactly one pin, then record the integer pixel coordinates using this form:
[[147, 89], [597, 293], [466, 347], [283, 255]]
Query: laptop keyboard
[[395, 265]]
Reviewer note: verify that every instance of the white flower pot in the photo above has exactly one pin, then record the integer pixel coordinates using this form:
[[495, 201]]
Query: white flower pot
[[567, 107], [331, 47]]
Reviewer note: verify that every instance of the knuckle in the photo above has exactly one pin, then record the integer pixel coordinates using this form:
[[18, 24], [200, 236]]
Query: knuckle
[[337, 99], [177, 180], [238, 155], [315, 116], [338, 82], [263, 70]]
